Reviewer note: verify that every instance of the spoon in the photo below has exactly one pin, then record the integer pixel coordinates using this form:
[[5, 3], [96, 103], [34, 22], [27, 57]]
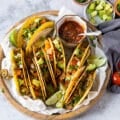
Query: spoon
[[96, 33]]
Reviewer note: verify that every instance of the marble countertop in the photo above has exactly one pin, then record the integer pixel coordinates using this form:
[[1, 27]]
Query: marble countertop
[[11, 11]]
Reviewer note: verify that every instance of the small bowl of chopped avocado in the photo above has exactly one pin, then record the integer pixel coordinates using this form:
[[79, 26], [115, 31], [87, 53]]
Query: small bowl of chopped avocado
[[99, 11], [117, 7], [82, 2]]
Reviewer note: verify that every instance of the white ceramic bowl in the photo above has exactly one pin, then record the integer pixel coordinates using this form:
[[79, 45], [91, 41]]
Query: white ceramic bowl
[[76, 19], [97, 18]]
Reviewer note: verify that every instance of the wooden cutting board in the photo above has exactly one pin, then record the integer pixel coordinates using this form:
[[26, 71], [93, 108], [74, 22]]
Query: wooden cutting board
[[58, 116]]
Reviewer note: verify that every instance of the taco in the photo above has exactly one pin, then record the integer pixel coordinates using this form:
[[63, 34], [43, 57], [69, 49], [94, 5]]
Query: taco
[[75, 68], [19, 72], [81, 91], [31, 28], [35, 80], [49, 53], [78, 58], [71, 85], [60, 57], [32, 92], [43, 71]]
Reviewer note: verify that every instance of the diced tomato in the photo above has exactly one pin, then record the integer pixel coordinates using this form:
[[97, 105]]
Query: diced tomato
[[66, 83], [43, 21], [35, 74], [18, 72], [74, 62], [47, 45], [37, 93], [51, 56]]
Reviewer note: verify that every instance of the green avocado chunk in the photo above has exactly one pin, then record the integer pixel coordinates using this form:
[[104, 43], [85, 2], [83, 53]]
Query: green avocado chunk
[[57, 44], [60, 64], [40, 61], [92, 6], [36, 82]]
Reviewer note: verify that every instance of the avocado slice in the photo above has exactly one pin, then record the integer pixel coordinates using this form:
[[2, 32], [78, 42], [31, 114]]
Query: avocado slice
[[13, 37], [93, 57], [60, 64], [97, 61], [21, 82], [40, 61], [100, 62], [36, 82], [57, 44]]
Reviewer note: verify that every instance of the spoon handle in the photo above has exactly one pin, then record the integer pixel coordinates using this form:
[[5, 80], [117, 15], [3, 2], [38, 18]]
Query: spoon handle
[[96, 33]]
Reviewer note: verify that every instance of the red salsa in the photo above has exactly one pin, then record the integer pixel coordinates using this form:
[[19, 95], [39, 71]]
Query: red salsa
[[69, 31]]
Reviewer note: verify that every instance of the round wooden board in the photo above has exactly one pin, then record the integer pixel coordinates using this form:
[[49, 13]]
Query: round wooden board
[[51, 117]]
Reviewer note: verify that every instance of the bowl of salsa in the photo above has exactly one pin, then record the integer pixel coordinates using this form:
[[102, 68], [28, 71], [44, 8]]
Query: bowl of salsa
[[68, 29]]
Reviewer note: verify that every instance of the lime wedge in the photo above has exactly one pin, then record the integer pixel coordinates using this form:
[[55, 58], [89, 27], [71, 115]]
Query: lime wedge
[[54, 98]]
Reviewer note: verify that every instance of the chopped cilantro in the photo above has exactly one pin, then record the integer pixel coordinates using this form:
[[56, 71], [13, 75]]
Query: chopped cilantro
[[73, 67]]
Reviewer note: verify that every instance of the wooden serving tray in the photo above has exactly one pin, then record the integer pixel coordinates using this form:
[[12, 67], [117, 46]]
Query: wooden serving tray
[[58, 116]]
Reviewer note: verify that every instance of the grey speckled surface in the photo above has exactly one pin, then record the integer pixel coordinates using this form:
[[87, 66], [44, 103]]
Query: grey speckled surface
[[11, 11]]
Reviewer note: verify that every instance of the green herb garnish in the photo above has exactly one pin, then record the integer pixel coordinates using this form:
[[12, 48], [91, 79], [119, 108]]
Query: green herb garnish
[[73, 67], [78, 52]]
